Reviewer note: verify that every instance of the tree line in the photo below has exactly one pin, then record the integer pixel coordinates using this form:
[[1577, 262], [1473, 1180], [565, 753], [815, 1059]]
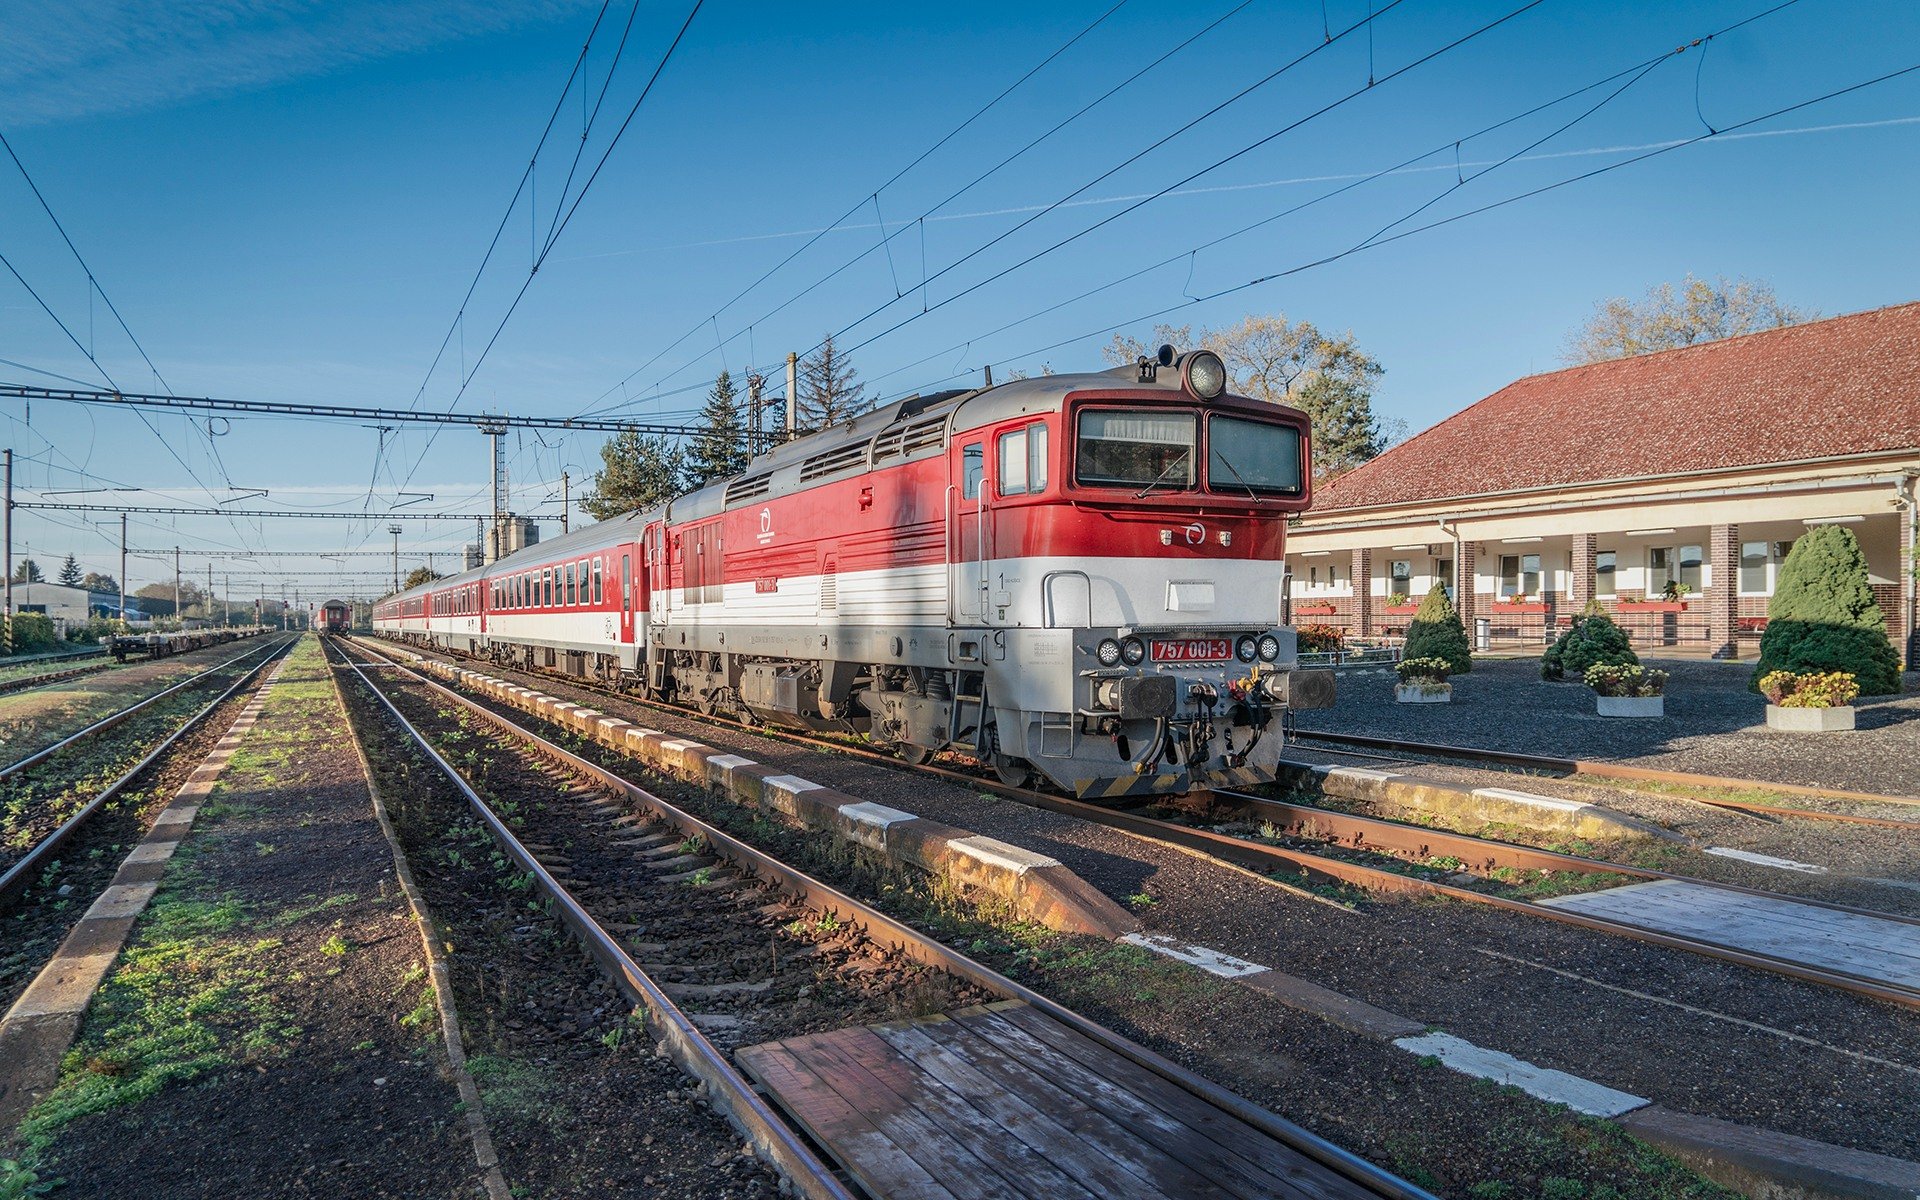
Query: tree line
[[1270, 357]]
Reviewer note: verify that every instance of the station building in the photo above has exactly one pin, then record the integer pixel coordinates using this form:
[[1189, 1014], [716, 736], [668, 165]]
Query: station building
[[1669, 486]]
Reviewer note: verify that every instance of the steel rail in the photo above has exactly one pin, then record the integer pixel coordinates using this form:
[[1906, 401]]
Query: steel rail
[[1601, 768], [726, 1089], [1262, 859], [109, 721], [14, 879], [26, 682], [904, 939]]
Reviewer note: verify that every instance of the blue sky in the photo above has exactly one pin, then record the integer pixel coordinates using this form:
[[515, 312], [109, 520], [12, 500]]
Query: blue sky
[[287, 200]]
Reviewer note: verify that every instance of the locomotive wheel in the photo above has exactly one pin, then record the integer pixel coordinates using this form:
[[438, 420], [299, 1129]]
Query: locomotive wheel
[[918, 756], [1014, 772], [708, 704]]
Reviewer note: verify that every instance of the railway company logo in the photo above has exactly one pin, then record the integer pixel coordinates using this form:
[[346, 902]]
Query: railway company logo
[[766, 526], [1196, 533]]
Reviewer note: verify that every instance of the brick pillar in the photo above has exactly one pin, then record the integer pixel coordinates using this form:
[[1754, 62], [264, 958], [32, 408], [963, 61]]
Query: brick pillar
[[1586, 547], [1723, 598], [1363, 593], [1463, 599]]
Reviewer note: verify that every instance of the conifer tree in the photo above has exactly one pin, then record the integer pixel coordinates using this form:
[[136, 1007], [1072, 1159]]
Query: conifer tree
[[720, 448], [70, 572], [829, 389], [639, 473], [1594, 638], [1823, 616], [1437, 632]]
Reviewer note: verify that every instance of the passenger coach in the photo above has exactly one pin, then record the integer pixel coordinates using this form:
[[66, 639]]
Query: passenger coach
[[1078, 575]]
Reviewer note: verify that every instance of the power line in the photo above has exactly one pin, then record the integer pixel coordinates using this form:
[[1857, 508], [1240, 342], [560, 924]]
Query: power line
[[307, 514], [247, 554], [860, 204]]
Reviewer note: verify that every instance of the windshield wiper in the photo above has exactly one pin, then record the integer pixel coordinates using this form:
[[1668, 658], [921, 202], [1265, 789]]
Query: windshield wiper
[[1161, 477], [1228, 464]]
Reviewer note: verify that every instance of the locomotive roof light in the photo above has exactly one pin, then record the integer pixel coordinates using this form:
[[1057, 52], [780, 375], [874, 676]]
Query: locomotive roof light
[[1108, 652], [1203, 375]]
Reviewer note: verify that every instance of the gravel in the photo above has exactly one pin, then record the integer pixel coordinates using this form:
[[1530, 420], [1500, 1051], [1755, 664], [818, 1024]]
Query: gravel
[[1713, 726], [1684, 1048]]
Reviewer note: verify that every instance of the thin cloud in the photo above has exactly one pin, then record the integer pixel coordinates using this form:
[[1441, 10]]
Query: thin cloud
[[62, 62]]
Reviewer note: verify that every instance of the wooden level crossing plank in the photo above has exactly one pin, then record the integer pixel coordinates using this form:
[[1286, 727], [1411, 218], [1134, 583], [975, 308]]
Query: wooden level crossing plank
[[1869, 947], [1004, 1102]]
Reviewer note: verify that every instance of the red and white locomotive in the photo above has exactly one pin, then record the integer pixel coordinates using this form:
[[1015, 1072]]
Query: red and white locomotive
[[1078, 575]]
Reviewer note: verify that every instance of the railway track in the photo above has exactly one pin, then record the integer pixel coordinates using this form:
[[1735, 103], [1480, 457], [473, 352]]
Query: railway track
[[716, 911], [21, 683], [1376, 855], [1378, 748], [51, 833]]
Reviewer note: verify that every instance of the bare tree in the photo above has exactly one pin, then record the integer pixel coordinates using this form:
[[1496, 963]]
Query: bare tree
[[1698, 310], [1293, 362]]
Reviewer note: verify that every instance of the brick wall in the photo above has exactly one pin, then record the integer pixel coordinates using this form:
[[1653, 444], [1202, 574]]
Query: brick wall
[[1723, 598]]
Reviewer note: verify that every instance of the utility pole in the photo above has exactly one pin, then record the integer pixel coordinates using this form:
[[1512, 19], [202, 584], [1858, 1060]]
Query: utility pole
[[177, 614], [123, 570], [793, 390], [566, 502], [395, 531], [210, 593], [6, 605], [226, 613], [756, 383]]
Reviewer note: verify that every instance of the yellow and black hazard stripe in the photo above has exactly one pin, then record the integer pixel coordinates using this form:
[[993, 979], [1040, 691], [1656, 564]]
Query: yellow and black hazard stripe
[[1132, 785]]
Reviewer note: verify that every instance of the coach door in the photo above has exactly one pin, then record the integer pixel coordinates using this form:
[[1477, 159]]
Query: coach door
[[626, 597]]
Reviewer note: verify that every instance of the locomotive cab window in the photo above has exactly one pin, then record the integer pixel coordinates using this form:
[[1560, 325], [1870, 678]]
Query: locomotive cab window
[[1023, 461], [1144, 449], [1252, 457]]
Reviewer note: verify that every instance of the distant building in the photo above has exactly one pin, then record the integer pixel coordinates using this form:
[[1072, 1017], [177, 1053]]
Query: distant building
[[72, 604], [1688, 471], [510, 535]]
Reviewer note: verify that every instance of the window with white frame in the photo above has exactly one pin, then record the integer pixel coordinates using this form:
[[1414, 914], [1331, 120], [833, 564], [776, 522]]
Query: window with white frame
[[1690, 574], [1659, 569], [1606, 571], [1753, 568], [1519, 574]]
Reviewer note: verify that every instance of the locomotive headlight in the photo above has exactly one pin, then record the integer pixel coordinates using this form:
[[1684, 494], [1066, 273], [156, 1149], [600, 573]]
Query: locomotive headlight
[[1206, 375], [1108, 652], [1269, 647], [1245, 649], [1134, 651]]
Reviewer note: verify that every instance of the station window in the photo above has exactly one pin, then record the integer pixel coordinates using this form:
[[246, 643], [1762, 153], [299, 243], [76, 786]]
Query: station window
[[973, 468], [1606, 570], [1659, 569], [1313, 576], [1519, 574], [1753, 567], [1023, 461], [1690, 560], [1401, 573], [1443, 574]]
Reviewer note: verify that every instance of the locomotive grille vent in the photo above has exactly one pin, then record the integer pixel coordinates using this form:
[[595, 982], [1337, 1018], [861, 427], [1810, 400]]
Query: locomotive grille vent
[[833, 461], [888, 444], [925, 435], [748, 489]]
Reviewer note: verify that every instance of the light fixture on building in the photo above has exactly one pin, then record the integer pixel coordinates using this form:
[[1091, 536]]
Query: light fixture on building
[[1646, 532], [1833, 520], [1312, 554], [1415, 546], [1518, 541]]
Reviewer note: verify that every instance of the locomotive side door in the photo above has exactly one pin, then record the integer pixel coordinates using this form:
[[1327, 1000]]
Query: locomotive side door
[[967, 534]]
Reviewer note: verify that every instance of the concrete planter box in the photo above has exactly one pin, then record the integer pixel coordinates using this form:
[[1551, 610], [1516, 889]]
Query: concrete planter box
[[1632, 706], [1423, 693], [1809, 720]]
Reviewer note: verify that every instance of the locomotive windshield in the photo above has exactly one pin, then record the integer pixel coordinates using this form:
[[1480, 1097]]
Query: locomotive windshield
[[1252, 457], [1147, 449]]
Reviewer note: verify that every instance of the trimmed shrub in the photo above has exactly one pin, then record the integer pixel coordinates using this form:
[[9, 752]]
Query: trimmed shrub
[[1592, 640], [1436, 632], [1834, 689], [32, 633], [1823, 617], [1424, 670]]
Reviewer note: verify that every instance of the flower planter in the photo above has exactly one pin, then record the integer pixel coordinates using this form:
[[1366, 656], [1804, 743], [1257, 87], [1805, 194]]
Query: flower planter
[[1423, 693], [1809, 720], [1401, 610], [1652, 606], [1313, 610], [1632, 706], [1533, 610]]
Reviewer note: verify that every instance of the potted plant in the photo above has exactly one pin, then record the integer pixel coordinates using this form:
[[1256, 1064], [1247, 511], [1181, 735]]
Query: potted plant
[[1809, 702], [1519, 604], [1626, 690], [1401, 605], [1314, 608], [1424, 681], [1673, 599]]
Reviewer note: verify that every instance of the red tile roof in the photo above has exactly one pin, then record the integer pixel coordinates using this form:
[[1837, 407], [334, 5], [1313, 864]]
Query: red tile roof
[[1848, 385]]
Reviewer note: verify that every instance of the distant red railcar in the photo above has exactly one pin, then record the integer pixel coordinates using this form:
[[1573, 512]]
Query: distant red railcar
[[336, 616]]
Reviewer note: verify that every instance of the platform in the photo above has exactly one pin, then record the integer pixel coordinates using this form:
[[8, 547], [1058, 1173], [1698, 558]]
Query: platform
[[1875, 948], [1001, 1102]]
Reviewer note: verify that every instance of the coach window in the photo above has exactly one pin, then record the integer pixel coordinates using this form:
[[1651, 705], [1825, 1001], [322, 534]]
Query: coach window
[[544, 597], [973, 468], [596, 583], [585, 590]]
